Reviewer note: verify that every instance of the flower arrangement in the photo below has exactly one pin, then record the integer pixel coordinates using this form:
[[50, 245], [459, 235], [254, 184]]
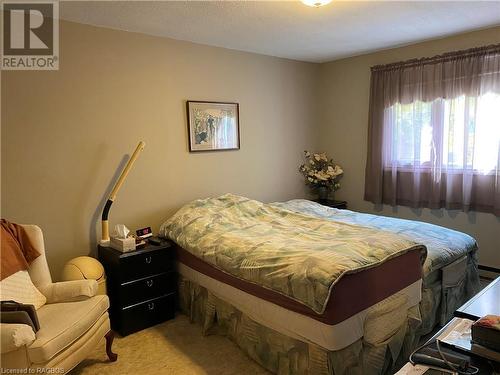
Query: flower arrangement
[[320, 172]]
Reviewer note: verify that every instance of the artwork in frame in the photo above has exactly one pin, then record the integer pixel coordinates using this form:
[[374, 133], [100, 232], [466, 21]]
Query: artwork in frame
[[213, 126]]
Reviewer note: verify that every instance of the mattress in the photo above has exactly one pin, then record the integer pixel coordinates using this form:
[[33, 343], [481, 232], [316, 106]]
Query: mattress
[[352, 294], [299, 326]]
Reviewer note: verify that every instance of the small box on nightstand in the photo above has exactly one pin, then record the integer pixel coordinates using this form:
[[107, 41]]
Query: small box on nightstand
[[123, 244]]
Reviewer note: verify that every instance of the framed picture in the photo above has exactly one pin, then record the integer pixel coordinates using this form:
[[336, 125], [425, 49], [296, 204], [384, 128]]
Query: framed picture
[[213, 126]]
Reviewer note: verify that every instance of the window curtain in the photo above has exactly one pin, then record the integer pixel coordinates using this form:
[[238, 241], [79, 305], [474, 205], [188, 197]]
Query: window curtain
[[433, 132]]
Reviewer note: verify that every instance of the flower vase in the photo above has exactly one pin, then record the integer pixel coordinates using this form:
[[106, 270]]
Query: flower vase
[[323, 193]]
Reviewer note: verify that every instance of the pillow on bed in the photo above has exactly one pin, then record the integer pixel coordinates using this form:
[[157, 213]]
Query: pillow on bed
[[19, 287]]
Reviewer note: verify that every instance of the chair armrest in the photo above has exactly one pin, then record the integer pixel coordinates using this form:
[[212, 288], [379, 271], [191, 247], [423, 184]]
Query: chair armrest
[[69, 291], [13, 336]]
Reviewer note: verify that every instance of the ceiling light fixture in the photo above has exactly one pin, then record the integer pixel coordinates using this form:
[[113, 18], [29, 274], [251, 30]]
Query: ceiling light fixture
[[316, 3]]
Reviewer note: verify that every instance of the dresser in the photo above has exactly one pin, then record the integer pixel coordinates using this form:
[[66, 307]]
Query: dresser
[[141, 286]]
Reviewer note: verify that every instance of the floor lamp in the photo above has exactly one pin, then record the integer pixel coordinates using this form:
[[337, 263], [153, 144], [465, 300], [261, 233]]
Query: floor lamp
[[112, 195]]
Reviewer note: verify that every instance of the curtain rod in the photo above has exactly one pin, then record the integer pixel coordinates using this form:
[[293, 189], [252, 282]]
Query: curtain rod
[[492, 49]]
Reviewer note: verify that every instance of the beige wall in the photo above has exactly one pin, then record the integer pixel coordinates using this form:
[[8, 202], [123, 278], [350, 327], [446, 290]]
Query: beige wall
[[65, 133], [344, 95]]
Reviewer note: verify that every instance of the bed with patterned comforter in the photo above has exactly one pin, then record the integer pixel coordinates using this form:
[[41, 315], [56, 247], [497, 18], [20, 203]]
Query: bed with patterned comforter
[[301, 250], [295, 254]]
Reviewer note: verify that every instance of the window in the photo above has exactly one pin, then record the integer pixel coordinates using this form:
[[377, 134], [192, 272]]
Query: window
[[454, 135]]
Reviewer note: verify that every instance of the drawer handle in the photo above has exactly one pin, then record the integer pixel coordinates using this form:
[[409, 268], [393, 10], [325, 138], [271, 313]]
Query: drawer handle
[[149, 283], [151, 306], [148, 260]]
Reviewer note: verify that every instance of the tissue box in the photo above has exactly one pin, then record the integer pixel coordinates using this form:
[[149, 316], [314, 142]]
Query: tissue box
[[123, 244]]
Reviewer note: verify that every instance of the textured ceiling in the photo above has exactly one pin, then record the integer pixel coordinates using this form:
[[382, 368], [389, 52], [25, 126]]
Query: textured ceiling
[[288, 28]]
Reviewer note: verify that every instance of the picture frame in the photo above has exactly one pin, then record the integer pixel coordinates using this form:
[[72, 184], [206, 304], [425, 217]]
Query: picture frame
[[213, 126]]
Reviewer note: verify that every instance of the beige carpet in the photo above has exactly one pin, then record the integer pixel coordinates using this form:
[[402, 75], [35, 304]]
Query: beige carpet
[[173, 347]]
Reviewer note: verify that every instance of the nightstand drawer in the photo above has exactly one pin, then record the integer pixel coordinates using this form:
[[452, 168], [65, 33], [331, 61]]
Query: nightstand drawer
[[133, 292], [146, 314], [145, 264]]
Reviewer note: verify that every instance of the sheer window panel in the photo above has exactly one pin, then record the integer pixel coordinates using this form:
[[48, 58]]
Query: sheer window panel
[[434, 132], [452, 135]]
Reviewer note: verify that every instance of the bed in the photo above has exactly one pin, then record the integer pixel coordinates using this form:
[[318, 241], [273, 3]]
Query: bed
[[303, 288]]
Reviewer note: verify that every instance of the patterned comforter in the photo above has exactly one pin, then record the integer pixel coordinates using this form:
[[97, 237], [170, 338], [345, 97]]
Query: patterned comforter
[[443, 245], [298, 255]]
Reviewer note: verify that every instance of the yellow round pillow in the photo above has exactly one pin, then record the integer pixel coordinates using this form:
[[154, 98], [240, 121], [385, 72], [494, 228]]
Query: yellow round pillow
[[81, 268]]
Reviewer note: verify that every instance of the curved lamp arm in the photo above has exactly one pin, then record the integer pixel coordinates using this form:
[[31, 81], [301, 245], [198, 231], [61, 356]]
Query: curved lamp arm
[[112, 195]]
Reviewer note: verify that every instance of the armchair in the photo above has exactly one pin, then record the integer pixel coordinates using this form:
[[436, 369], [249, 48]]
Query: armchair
[[72, 322]]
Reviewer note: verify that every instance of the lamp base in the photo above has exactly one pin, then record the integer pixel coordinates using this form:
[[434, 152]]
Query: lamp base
[[105, 243]]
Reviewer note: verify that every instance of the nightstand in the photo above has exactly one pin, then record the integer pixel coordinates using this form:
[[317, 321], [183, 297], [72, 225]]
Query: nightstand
[[342, 205], [141, 285]]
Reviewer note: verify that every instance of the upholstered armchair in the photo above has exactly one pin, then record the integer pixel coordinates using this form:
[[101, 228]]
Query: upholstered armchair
[[73, 321]]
